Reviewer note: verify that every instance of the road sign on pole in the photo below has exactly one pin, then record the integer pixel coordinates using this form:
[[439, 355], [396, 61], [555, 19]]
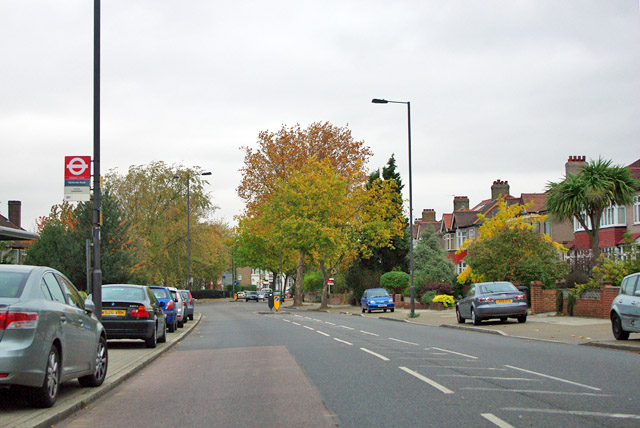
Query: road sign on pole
[[77, 178]]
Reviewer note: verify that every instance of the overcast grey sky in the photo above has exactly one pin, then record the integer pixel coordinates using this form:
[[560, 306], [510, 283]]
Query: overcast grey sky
[[498, 89]]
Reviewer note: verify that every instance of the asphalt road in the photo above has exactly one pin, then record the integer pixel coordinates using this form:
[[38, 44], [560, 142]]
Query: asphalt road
[[313, 369]]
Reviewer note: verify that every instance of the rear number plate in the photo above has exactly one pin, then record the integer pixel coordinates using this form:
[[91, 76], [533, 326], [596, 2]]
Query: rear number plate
[[119, 313], [504, 301]]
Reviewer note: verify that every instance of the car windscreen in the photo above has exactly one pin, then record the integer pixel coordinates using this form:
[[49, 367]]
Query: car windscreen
[[160, 293], [378, 293], [499, 287], [124, 294], [12, 284]]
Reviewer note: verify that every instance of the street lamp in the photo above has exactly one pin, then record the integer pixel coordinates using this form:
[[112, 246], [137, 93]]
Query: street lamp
[[383, 101], [189, 226]]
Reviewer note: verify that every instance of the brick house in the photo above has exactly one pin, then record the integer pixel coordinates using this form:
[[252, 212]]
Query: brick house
[[10, 231]]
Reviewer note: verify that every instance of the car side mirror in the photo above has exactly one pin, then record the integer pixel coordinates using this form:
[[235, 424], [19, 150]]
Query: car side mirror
[[89, 306]]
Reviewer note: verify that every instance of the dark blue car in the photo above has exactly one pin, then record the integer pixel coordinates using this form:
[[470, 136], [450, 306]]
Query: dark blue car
[[168, 306], [376, 298]]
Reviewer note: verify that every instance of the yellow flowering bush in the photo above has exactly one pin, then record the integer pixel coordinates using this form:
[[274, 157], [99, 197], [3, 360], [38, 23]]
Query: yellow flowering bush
[[446, 300]]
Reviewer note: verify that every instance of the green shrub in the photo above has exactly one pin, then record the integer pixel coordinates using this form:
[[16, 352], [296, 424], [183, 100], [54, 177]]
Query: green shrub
[[394, 282], [559, 301], [571, 301], [428, 296]]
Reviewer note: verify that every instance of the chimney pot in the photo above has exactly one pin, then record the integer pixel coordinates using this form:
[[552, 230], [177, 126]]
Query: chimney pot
[[15, 212]]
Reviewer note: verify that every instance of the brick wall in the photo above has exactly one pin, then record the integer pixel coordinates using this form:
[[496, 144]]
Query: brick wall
[[594, 305]]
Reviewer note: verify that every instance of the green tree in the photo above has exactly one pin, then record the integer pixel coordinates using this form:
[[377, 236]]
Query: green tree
[[395, 282], [5, 253], [430, 259], [586, 195]]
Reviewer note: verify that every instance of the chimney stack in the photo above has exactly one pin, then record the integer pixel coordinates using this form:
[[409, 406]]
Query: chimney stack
[[15, 212], [460, 203], [574, 165], [498, 188], [428, 215]]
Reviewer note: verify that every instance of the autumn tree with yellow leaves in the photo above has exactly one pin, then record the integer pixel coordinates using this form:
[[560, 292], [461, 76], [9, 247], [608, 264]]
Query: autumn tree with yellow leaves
[[305, 190], [510, 248]]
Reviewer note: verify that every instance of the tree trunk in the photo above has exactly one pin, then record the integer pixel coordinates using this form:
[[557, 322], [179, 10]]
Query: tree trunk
[[297, 299], [325, 279], [594, 234]]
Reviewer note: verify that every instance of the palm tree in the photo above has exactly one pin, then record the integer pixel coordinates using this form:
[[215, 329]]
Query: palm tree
[[586, 195]]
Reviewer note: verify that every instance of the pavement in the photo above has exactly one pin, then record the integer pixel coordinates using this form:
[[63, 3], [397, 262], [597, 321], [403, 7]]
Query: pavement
[[126, 358]]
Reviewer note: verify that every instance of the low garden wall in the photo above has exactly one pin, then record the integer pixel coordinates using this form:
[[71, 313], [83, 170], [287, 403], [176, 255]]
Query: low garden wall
[[594, 303]]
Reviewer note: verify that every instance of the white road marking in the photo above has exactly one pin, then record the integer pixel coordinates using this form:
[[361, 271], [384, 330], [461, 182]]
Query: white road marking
[[496, 420], [382, 357], [367, 332], [433, 383], [403, 341], [533, 391], [296, 315], [330, 323], [456, 353], [464, 368], [316, 320], [523, 379], [574, 413], [285, 320], [308, 328], [554, 378], [343, 341], [293, 322], [348, 328], [322, 333]]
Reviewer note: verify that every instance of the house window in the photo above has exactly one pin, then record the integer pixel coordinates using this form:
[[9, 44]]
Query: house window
[[448, 241], [612, 216], [460, 267], [636, 209], [472, 233], [547, 228], [461, 236]]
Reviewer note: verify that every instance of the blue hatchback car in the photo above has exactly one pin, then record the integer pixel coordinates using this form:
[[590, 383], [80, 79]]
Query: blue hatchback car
[[168, 306], [376, 298]]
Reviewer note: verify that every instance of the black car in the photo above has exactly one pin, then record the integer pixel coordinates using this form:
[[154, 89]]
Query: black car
[[133, 312], [251, 295]]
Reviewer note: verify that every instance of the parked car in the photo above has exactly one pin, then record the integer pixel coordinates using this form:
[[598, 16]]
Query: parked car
[[251, 295], [625, 308], [180, 306], [47, 334], [262, 295], [487, 300], [168, 306], [376, 298], [241, 294], [133, 312], [189, 301]]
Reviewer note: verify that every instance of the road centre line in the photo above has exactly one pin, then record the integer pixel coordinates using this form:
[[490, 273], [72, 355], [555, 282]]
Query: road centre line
[[343, 341], [574, 413], [403, 341], [455, 353], [367, 332], [285, 320], [348, 328], [382, 357], [465, 368], [496, 420], [323, 333], [330, 323], [308, 328], [433, 383], [313, 319], [533, 391], [293, 322], [554, 378]]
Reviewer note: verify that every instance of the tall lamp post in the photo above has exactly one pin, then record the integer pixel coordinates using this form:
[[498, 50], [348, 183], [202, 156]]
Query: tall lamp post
[[96, 276], [189, 226], [383, 101]]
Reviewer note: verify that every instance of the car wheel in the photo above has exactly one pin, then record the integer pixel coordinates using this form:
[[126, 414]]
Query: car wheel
[[368, 310], [163, 338], [522, 318], [102, 362], [503, 319], [384, 310], [474, 318], [45, 395], [180, 324], [363, 309], [459, 317], [616, 327], [191, 316], [152, 341], [392, 309], [172, 326]]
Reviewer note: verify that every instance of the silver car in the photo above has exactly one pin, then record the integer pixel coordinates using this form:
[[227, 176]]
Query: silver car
[[181, 306], [189, 303], [48, 335], [492, 300], [625, 308]]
